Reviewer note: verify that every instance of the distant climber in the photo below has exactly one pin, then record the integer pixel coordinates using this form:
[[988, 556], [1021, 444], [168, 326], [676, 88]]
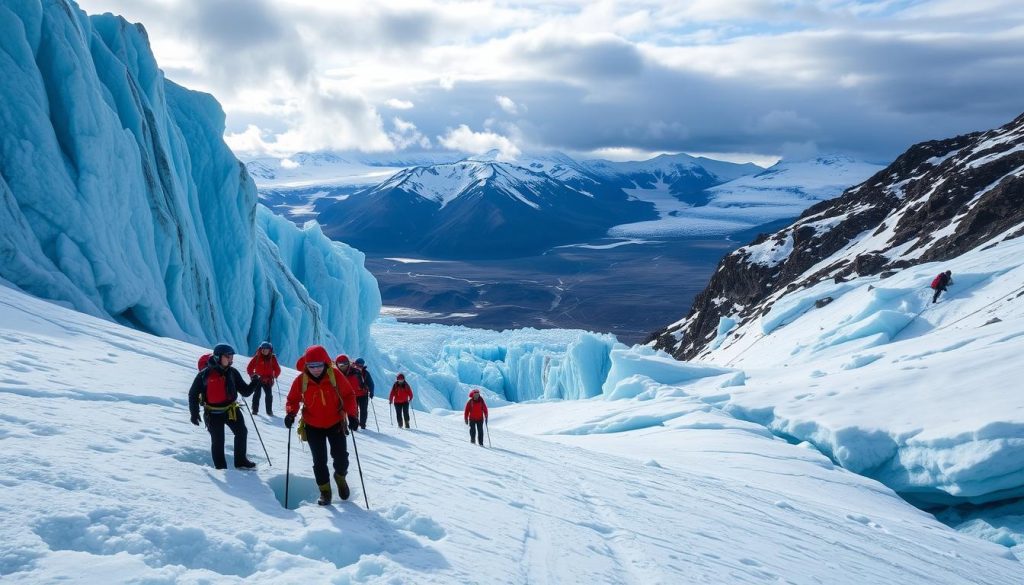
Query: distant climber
[[264, 371], [355, 379], [475, 416], [216, 387], [401, 397], [940, 282], [326, 398]]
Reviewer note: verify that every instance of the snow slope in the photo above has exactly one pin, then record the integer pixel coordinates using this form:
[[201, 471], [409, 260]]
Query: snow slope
[[119, 197], [106, 481]]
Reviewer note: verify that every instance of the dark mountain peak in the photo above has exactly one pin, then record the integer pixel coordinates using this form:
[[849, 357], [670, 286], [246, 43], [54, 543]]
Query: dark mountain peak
[[936, 201]]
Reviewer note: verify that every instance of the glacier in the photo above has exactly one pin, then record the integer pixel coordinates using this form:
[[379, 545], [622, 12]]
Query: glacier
[[121, 200]]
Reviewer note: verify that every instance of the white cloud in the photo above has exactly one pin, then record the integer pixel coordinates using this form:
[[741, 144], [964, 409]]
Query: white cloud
[[406, 134], [507, 104], [672, 75], [398, 104], [465, 140]]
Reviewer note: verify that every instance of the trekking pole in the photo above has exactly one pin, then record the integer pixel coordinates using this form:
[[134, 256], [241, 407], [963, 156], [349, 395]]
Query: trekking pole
[[287, 469], [413, 415], [278, 384], [253, 418], [390, 418], [488, 432], [374, 409], [360, 468]]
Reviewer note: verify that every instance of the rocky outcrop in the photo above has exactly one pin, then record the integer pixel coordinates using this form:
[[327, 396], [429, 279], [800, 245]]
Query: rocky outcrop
[[936, 201]]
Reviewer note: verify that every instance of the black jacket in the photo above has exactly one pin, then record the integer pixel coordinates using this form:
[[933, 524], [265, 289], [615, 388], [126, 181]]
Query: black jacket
[[234, 385]]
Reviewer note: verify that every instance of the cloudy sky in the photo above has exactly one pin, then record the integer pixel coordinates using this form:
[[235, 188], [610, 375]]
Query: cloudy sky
[[740, 79]]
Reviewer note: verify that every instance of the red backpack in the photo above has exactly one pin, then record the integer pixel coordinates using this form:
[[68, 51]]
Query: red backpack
[[937, 281]]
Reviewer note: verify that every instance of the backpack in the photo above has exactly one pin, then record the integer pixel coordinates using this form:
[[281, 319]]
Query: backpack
[[937, 281]]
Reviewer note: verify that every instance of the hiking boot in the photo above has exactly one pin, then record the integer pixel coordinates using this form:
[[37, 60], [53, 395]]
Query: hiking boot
[[343, 491], [325, 495], [270, 413], [245, 464]]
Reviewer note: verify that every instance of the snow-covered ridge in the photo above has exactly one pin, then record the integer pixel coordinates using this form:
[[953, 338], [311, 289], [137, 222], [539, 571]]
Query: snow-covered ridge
[[119, 197]]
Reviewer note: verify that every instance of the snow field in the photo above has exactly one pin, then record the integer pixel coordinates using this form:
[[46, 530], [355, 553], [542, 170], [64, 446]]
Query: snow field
[[106, 481]]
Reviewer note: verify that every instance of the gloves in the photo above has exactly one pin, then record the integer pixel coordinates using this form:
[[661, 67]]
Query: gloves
[[371, 393], [195, 419], [289, 420], [390, 402], [353, 423], [467, 422]]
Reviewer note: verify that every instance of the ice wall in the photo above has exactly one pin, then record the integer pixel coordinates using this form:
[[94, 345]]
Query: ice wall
[[119, 198]]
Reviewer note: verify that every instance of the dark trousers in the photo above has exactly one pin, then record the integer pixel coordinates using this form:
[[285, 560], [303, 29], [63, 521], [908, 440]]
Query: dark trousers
[[402, 409], [938, 291], [267, 387], [476, 430], [364, 403], [319, 440], [215, 422]]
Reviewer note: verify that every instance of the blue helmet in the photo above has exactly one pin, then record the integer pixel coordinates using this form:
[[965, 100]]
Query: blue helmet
[[267, 345], [222, 349], [360, 361]]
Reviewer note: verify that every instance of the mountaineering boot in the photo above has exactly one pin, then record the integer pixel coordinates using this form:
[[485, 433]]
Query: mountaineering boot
[[343, 491], [245, 464], [325, 495]]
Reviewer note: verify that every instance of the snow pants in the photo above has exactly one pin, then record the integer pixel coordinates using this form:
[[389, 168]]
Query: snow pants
[[319, 440], [364, 403], [938, 291], [476, 431], [215, 423], [402, 409], [265, 386]]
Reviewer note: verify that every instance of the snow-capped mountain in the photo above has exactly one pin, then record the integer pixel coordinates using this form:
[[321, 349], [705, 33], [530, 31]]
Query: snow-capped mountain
[[937, 201], [119, 198], [685, 176], [477, 208]]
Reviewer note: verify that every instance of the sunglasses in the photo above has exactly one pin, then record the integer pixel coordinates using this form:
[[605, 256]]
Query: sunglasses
[[315, 365]]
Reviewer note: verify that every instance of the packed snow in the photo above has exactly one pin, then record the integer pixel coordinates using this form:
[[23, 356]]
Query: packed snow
[[106, 481]]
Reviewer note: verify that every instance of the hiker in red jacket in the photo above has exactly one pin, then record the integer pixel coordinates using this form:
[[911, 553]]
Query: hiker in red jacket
[[264, 371], [355, 379], [327, 399], [475, 416], [401, 396], [940, 282], [216, 387]]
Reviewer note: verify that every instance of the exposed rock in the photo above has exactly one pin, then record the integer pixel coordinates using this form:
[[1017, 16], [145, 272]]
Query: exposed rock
[[969, 189]]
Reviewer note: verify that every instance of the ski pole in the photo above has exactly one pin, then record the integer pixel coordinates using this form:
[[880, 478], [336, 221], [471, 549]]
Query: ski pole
[[287, 469], [374, 409], [488, 430], [360, 468], [246, 403]]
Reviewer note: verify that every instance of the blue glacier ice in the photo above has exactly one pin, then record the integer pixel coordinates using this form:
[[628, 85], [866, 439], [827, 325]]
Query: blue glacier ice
[[120, 199]]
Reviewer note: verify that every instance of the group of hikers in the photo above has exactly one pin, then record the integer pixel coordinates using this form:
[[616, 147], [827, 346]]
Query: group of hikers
[[333, 395]]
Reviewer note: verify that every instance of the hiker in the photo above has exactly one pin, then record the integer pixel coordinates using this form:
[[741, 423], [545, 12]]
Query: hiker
[[475, 416], [364, 373], [940, 282], [327, 399], [217, 387], [264, 371], [401, 396], [356, 381]]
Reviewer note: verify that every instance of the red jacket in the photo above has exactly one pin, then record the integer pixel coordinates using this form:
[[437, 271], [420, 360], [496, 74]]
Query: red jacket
[[321, 405], [475, 409], [354, 380], [266, 368], [400, 393]]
